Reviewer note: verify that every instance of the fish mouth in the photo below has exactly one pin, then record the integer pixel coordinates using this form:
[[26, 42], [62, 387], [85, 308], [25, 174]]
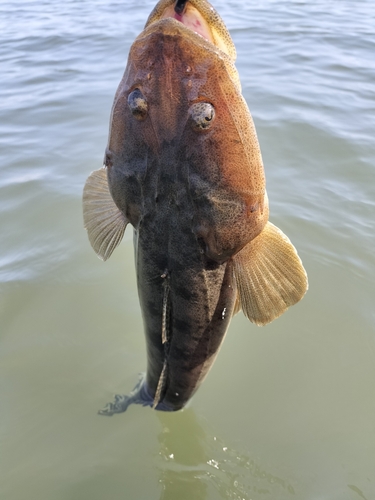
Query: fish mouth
[[198, 16], [180, 6]]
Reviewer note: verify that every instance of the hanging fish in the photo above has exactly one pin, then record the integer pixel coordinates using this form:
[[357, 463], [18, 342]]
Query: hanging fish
[[183, 167]]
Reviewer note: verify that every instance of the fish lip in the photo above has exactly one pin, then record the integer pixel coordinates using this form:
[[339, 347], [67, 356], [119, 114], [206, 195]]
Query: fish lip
[[211, 27], [171, 26], [191, 17]]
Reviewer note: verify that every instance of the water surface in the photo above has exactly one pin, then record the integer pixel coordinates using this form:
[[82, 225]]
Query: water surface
[[288, 410]]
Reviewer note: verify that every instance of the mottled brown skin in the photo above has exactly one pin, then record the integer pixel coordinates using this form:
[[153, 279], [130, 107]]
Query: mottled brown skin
[[183, 166], [194, 198], [225, 177]]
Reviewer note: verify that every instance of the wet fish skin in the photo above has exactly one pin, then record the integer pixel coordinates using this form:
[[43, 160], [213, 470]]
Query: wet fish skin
[[225, 178], [159, 166], [183, 167]]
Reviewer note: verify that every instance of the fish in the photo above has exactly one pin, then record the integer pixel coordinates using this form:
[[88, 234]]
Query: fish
[[183, 167]]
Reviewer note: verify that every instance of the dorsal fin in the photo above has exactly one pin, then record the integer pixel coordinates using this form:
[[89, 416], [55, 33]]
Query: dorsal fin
[[103, 220]]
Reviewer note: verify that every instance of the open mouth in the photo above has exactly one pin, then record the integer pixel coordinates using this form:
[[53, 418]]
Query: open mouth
[[188, 15], [200, 17]]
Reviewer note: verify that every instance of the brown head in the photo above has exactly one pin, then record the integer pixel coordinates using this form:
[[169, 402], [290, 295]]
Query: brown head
[[181, 86]]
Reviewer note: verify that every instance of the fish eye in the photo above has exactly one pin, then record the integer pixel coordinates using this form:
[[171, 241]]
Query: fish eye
[[137, 104], [201, 115]]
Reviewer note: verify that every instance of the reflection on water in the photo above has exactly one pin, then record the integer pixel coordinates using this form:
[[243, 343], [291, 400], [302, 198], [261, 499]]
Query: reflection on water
[[196, 461], [183, 455], [357, 490]]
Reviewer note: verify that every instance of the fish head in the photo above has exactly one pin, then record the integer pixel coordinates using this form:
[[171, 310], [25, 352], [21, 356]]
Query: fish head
[[168, 65], [180, 103]]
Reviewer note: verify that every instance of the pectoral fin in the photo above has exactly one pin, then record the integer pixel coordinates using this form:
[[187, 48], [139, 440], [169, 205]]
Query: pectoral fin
[[104, 222], [270, 276], [237, 305]]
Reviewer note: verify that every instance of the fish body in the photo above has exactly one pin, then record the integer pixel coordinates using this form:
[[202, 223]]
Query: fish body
[[183, 167]]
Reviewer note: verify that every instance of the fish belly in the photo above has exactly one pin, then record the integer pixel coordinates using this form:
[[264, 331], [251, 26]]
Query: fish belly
[[187, 302]]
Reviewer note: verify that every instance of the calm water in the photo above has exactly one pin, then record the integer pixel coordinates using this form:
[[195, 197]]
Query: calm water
[[288, 411]]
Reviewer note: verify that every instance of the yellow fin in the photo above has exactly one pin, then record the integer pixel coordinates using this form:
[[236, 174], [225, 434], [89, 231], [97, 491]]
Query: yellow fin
[[270, 276], [104, 222], [237, 305]]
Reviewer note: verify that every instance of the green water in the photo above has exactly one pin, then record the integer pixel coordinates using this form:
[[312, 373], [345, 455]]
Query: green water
[[288, 410]]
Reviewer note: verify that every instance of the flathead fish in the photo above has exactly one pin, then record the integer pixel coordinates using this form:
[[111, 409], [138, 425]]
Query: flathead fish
[[183, 166]]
